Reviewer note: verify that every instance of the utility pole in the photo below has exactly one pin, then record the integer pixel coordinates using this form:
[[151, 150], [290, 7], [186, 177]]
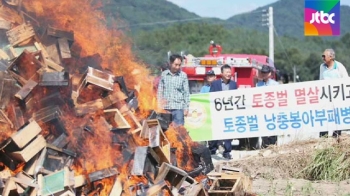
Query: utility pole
[[271, 44], [294, 74], [269, 19]]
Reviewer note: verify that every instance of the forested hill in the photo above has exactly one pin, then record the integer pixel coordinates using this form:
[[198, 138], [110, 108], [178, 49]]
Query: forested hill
[[142, 14], [288, 18], [194, 38], [239, 34]]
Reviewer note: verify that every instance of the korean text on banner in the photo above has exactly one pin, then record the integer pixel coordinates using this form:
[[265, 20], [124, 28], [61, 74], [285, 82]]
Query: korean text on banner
[[305, 107]]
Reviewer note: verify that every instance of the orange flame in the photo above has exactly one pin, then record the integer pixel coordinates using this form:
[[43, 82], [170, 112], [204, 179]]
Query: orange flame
[[94, 37], [113, 49]]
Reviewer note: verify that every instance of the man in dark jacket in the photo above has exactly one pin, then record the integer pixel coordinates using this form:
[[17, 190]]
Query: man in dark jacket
[[223, 84]]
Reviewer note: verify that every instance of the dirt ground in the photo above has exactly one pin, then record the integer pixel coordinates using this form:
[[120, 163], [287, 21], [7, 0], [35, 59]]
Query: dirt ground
[[275, 169], [302, 187]]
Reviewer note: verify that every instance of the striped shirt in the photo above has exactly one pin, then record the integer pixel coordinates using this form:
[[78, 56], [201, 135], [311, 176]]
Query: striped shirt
[[173, 90]]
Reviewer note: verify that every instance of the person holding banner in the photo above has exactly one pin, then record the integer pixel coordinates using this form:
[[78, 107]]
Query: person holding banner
[[265, 80], [210, 77], [223, 84], [265, 77], [330, 68], [173, 90]]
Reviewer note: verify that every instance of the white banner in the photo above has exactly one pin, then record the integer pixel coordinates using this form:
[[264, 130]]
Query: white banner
[[272, 110]]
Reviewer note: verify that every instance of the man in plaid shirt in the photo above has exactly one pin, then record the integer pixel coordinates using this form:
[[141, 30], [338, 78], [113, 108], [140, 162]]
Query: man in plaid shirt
[[173, 90]]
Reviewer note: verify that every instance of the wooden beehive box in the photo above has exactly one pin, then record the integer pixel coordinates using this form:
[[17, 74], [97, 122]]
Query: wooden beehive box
[[152, 131]]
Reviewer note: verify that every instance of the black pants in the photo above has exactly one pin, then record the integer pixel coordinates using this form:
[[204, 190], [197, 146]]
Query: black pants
[[336, 133], [214, 145], [266, 141]]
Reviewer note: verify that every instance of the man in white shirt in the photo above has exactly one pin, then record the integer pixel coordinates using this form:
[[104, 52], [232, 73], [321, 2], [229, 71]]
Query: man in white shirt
[[330, 68]]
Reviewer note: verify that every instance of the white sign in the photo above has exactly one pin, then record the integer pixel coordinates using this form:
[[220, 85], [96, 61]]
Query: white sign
[[305, 107]]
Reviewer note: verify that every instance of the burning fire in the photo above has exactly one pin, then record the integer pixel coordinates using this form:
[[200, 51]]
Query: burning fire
[[98, 44], [94, 38]]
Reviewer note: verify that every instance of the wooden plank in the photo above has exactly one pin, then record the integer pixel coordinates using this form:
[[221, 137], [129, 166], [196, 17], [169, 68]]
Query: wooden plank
[[47, 59], [9, 186], [27, 17], [113, 98], [30, 166], [3, 64], [20, 34], [64, 48], [26, 89], [229, 185], [69, 35], [13, 53], [10, 14], [103, 173], [5, 119], [4, 174], [7, 89], [53, 65], [158, 141], [245, 180], [13, 2], [67, 193], [100, 78], [62, 150], [20, 190], [4, 24], [158, 188], [54, 79], [68, 177], [3, 55], [19, 49], [235, 169], [26, 134], [79, 181], [41, 48], [52, 51], [174, 175], [117, 188], [34, 192], [196, 190], [119, 119], [134, 119], [31, 150], [25, 67], [47, 114], [25, 182], [89, 107]]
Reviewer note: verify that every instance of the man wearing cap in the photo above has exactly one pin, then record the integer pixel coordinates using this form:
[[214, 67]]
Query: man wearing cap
[[209, 77], [265, 80], [264, 77]]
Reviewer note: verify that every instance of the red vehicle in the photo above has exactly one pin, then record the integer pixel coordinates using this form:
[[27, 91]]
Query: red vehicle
[[245, 67]]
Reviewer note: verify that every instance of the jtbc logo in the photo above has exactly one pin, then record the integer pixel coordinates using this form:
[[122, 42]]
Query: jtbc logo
[[316, 17]]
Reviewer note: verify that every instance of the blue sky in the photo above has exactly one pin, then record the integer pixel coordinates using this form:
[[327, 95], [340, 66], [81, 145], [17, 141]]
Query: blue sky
[[225, 8]]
